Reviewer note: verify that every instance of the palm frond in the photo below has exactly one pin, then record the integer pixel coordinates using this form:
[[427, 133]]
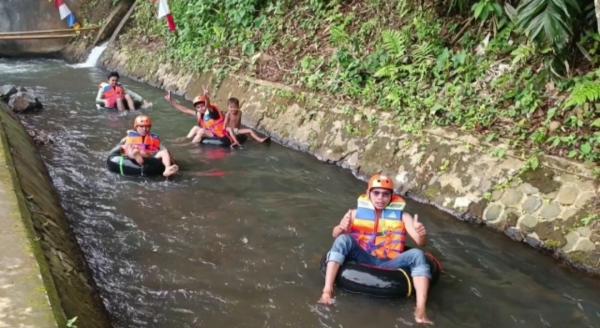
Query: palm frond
[[548, 22]]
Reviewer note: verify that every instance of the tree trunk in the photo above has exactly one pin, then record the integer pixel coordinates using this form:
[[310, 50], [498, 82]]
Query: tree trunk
[[597, 5]]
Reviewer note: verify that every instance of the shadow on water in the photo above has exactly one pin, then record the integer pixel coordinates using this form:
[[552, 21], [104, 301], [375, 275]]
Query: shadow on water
[[235, 240]]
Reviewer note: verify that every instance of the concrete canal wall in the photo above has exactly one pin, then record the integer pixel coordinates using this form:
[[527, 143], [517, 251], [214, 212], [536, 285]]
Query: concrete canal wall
[[554, 207], [44, 278]]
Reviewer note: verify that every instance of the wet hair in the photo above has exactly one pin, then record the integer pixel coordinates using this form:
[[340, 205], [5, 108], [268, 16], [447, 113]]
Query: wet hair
[[114, 74], [234, 101]]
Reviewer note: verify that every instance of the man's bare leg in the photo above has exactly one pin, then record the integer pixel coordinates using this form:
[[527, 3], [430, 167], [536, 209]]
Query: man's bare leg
[[130, 102], [136, 155], [192, 132], [421, 289], [120, 105], [200, 133], [170, 168], [330, 274]]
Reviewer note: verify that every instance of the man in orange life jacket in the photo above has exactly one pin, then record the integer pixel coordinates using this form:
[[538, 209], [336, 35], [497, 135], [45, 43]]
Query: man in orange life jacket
[[113, 94], [373, 234], [210, 120], [140, 144]]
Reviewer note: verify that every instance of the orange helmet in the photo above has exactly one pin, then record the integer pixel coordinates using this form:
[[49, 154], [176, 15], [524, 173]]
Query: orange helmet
[[142, 120], [380, 181], [199, 99]]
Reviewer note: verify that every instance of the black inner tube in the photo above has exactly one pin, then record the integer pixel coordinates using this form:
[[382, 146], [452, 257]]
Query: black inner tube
[[222, 142], [125, 166], [362, 279]]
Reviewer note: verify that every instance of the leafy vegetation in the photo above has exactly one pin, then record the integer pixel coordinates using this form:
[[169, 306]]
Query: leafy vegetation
[[590, 219], [527, 72], [72, 323]]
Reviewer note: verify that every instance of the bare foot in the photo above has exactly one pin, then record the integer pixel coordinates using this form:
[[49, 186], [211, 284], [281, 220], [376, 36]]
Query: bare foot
[[421, 318], [326, 298], [169, 171], [146, 104], [265, 140]]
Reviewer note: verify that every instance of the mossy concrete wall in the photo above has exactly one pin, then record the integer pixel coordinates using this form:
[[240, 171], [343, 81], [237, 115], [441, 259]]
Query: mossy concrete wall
[[24, 300], [66, 277], [555, 207]]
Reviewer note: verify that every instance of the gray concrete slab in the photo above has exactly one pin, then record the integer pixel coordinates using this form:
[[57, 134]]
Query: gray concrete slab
[[23, 298]]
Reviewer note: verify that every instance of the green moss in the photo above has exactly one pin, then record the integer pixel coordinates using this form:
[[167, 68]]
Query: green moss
[[432, 191], [553, 244], [542, 178]]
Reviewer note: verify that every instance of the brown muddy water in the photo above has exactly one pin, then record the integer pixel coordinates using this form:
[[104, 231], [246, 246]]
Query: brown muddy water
[[235, 240]]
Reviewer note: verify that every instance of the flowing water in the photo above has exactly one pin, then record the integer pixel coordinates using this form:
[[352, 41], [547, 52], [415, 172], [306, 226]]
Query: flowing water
[[235, 240], [93, 57]]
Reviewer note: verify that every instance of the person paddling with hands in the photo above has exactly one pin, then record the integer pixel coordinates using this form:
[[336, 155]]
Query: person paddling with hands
[[375, 234], [210, 120]]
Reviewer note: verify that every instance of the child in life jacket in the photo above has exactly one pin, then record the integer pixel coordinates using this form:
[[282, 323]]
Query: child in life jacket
[[208, 117], [233, 123], [140, 144], [113, 94], [375, 234]]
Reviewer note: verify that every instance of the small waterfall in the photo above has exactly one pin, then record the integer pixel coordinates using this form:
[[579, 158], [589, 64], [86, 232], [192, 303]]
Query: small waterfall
[[93, 57]]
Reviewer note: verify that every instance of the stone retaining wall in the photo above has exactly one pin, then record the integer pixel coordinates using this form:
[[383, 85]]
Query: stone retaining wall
[[66, 275], [554, 207]]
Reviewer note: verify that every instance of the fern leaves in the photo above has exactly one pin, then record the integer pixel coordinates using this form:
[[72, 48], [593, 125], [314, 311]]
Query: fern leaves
[[585, 92], [394, 43]]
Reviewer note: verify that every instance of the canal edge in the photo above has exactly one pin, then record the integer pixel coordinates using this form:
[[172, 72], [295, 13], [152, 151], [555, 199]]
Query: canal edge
[[66, 279]]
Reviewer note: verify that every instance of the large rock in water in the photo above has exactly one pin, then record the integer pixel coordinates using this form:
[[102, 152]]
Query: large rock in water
[[24, 101], [6, 91]]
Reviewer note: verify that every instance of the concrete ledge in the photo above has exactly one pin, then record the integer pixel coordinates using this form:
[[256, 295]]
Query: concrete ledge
[[45, 237], [23, 296]]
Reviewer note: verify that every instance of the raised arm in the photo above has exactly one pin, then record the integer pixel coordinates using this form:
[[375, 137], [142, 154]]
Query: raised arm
[[179, 107], [415, 229], [207, 97], [344, 225]]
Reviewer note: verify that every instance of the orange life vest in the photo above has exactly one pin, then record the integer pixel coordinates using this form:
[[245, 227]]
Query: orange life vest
[[216, 126], [112, 93], [149, 143], [385, 237]]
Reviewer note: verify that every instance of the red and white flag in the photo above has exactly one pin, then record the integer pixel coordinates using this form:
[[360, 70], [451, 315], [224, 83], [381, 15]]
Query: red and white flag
[[65, 12], [62, 9], [163, 10]]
